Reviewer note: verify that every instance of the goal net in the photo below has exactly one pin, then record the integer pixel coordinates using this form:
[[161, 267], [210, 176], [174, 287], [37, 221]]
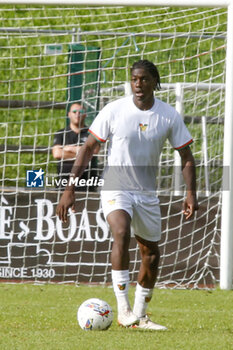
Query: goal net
[[52, 56]]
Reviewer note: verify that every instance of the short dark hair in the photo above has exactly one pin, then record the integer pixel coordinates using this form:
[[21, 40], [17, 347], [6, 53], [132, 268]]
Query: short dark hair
[[151, 68]]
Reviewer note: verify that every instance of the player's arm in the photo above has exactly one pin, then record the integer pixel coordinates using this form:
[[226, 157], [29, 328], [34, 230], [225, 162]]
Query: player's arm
[[81, 162], [189, 173]]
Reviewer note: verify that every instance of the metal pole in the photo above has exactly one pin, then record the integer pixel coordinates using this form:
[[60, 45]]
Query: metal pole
[[181, 3], [177, 160], [226, 253], [128, 90], [205, 155], [12, 30]]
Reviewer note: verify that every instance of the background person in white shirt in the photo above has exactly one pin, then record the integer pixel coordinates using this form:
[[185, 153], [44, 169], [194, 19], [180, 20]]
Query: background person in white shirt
[[137, 127]]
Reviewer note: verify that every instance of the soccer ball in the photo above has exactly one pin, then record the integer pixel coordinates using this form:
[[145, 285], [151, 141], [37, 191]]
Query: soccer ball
[[94, 314]]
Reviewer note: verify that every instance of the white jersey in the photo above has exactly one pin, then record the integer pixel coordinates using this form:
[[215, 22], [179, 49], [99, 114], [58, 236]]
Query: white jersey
[[136, 138]]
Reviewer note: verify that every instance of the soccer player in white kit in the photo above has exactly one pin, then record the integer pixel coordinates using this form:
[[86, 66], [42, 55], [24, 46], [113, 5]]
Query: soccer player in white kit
[[137, 127]]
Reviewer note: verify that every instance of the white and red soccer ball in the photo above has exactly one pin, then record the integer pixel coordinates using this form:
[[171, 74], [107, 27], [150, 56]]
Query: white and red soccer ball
[[95, 314]]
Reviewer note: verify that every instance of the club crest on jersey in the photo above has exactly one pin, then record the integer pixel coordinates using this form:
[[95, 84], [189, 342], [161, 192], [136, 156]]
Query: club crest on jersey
[[121, 286], [111, 201], [143, 127]]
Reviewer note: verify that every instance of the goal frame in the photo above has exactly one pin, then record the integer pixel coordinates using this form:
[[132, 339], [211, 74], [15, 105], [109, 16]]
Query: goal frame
[[226, 252]]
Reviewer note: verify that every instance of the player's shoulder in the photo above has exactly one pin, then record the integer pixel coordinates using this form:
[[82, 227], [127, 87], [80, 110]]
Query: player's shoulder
[[164, 106], [167, 111], [118, 103]]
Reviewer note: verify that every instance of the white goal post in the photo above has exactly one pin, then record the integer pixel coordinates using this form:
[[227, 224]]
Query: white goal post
[[43, 209], [182, 3]]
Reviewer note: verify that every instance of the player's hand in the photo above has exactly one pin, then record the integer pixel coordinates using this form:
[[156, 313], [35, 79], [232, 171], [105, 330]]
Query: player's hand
[[67, 201], [190, 205]]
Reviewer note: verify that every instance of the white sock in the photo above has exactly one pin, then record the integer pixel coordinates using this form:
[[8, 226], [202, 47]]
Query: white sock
[[120, 280], [142, 298]]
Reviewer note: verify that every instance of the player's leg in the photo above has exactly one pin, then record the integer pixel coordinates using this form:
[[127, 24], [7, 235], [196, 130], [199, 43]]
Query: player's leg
[[147, 227], [150, 256], [119, 221], [147, 275]]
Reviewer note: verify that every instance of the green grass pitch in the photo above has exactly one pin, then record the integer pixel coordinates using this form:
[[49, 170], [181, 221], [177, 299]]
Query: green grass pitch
[[44, 317]]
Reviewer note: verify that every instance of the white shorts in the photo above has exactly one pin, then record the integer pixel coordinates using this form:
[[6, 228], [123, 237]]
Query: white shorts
[[143, 209]]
